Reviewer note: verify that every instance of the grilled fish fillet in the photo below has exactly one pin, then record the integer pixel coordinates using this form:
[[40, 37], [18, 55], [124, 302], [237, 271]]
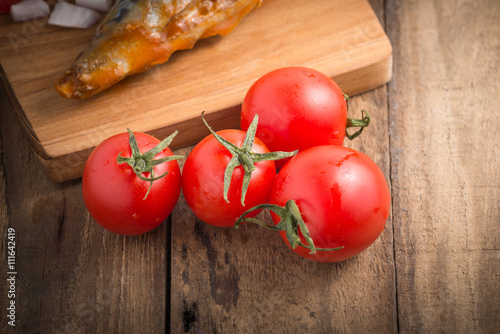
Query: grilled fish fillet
[[136, 35]]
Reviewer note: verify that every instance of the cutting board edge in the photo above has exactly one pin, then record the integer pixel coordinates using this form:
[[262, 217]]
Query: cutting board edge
[[379, 71], [18, 109]]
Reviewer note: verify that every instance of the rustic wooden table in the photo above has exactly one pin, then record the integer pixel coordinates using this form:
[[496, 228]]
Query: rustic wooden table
[[435, 268]]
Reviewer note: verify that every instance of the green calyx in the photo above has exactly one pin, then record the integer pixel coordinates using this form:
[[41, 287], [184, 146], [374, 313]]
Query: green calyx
[[145, 163], [291, 222], [356, 123], [245, 157]]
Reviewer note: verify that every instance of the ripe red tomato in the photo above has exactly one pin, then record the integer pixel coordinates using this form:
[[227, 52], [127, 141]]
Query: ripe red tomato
[[203, 180], [116, 197], [342, 196], [298, 108]]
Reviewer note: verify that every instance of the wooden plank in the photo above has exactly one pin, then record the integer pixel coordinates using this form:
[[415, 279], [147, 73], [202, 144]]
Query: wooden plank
[[4, 226], [444, 102], [247, 281], [443, 166], [342, 39], [73, 276]]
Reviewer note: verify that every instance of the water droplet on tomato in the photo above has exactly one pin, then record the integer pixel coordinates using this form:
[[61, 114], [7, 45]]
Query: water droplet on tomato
[[93, 170], [135, 215], [106, 163], [309, 74]]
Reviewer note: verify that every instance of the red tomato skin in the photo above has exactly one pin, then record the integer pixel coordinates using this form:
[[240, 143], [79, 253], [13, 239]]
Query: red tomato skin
[[298, 108], [114, 195], [343, 197], [203, 180]]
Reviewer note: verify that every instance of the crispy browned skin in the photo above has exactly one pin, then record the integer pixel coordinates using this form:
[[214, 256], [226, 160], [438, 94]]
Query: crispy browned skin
[[136, 35]]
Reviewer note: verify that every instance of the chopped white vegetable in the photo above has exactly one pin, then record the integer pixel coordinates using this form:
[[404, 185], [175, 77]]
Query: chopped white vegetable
[[68, 15], [100, 5], [29, 10]]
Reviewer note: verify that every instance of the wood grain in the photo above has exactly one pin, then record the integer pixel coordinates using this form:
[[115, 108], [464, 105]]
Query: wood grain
[[227, 281], [73, 276], [445, 150], [435, 268], [342, 39], [4, 217]]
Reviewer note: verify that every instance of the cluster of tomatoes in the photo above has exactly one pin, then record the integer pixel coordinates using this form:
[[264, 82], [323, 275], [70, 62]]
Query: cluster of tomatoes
[[328, 202]]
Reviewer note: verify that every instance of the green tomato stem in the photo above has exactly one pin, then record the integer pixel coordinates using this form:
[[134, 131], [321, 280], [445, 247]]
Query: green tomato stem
[[244, 156], [291, 223], [356, 123], [144, 163]]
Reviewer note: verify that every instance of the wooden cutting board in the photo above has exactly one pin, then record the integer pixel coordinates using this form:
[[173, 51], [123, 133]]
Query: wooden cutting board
[[343, 39]]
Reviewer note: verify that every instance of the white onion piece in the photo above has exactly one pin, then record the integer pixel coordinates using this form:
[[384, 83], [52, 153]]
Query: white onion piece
[[29, 10], [100, 5], [68, 15]]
